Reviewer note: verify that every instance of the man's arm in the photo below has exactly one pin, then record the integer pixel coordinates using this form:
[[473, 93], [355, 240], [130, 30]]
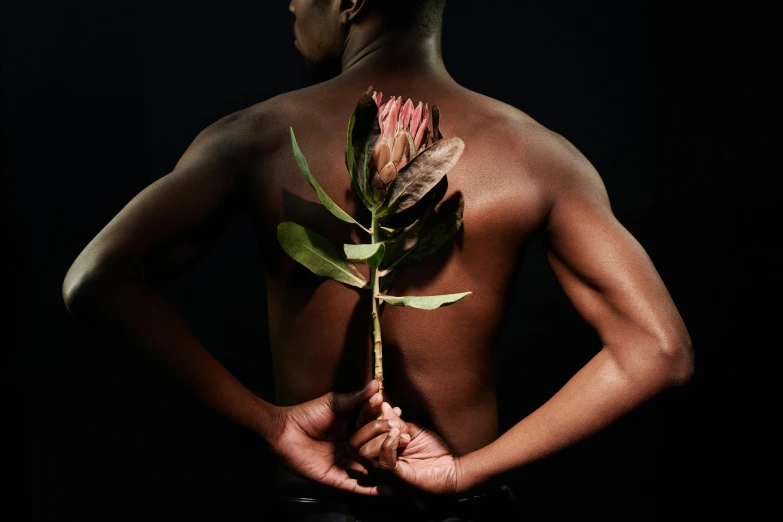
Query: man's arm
[[612, 283], [115, 283]]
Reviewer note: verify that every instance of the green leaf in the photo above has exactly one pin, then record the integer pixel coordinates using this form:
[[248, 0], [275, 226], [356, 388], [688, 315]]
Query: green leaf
[[330, 205], [364, 134], [436, 135], [318, 254], [386, 281], [425, 302], [350, 162], [370, 253], [403, 242], [422, 173], [384, 285], [438, 229], [425, 204]]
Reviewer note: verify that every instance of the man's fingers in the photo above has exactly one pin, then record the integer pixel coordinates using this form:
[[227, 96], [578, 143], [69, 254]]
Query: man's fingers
[[369, 410], [369, 438], [371, 430], [345, 403], [356, 486], [372, 449], [390, 413], [353, 467], [361, 484], [387, 459]]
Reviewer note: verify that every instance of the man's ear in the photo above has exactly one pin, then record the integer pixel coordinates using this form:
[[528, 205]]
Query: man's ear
[[350, 9]]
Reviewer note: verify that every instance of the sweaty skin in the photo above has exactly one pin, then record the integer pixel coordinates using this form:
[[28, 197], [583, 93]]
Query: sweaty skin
[[440, 366]]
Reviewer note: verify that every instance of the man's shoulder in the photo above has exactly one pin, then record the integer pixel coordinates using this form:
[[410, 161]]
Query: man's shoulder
[[539, 149], [541, 157], [516, 127], [536, 149], [252, 130]]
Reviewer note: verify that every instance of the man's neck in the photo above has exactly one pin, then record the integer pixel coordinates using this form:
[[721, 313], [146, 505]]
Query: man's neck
[[407, 54]]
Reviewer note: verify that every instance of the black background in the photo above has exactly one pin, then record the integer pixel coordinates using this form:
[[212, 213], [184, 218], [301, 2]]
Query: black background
[[101, 99]]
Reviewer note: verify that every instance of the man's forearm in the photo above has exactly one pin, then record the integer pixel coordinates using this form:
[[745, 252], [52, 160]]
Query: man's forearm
[[603, 390], [141, 318]]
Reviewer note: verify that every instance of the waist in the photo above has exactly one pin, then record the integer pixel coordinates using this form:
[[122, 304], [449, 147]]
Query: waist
[[309, 501], [290, 487]]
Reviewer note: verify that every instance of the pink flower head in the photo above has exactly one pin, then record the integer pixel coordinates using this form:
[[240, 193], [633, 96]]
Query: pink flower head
[[404, 134]]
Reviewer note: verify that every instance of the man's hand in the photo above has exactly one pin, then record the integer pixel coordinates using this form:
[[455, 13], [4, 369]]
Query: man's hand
[[370, 411], [426, 462], [312, 440]]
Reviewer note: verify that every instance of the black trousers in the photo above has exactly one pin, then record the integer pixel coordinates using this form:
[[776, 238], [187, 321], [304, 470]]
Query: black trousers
[[311, 502]]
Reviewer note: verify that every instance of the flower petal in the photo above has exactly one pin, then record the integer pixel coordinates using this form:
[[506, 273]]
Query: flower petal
[[398, 112], [384, 110], [384, 154], [376, 151], [390, 127], [388, 172], [420, 133], [410, 151], [415, 119], [407, 109], [400, 145]]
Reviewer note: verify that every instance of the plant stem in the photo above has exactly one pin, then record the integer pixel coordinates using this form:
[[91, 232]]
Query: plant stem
[[376, 319]]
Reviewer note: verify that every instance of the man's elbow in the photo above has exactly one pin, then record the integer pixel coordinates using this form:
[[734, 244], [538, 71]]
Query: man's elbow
[[74, 292], [677, 360], [80, 287]]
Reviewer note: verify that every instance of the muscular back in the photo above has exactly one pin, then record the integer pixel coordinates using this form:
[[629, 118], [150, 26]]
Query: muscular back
[[440, 366]]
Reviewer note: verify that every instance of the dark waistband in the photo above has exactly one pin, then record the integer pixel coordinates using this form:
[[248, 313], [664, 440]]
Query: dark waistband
[[315, 493]]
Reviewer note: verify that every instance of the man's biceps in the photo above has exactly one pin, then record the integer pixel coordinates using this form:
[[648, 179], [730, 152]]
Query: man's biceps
[[591, 245], [596, 258], [612, 282]]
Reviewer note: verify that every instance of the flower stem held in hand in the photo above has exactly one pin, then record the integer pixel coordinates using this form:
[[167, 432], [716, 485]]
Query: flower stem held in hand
[[376, 320]]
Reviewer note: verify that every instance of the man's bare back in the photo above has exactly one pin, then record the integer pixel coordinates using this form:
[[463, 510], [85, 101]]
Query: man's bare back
[[441, 366]]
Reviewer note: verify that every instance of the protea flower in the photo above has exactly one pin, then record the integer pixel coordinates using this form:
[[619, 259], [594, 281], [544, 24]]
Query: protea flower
[[404, 134]]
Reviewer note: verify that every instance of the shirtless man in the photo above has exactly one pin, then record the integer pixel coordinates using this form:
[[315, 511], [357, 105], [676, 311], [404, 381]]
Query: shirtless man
[[516, 178]]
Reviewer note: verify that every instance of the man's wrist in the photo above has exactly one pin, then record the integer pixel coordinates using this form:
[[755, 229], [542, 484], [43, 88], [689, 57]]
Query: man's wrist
[[471, 470], [465, 479], [461, 480], [268, 421]]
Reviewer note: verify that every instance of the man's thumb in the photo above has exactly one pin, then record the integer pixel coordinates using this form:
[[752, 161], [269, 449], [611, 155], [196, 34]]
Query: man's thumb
[[344, 403]]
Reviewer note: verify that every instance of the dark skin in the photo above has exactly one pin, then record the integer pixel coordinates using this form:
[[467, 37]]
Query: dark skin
[[441, 366]]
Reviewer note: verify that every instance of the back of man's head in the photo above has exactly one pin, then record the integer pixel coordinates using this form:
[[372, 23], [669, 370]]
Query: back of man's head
[[323, 26], [424, 16]]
